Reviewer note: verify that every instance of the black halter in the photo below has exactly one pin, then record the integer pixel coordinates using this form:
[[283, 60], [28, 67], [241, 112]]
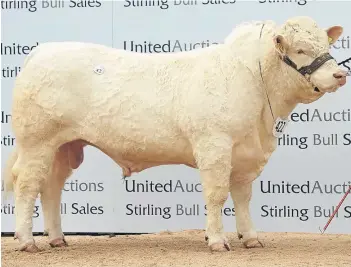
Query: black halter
[[315, 65]]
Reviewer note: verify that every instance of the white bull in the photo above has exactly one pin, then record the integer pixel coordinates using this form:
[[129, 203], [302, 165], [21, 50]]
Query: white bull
[[210, 109]]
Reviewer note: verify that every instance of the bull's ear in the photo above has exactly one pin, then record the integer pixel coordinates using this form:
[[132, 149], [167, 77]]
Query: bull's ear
[[280, 44], [334, 33]]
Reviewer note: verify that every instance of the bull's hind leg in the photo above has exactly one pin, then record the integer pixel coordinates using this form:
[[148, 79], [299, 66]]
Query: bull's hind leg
[[68, 157], [51, 196], [213, 156], [32, 168], [241, 194]]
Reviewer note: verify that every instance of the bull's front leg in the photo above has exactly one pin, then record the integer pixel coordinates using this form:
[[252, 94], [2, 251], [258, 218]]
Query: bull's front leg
[[241, 193], [213, 155]]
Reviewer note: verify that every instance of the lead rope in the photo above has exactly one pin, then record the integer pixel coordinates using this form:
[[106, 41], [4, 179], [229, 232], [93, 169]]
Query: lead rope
[[264, 86]]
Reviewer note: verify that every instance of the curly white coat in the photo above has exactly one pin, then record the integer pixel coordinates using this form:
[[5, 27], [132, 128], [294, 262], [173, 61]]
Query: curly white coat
[[205, 108]]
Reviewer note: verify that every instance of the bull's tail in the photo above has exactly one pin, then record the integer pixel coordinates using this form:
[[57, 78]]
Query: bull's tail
[[8, 176]]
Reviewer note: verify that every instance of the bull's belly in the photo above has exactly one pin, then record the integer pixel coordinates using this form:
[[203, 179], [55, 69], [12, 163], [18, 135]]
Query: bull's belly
[[143, 142], [135, 150]]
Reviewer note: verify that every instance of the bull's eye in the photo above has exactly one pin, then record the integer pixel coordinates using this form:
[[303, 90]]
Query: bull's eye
[[300, 51]]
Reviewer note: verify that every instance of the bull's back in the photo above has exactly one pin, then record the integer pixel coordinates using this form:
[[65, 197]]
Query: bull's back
[[71, 78]]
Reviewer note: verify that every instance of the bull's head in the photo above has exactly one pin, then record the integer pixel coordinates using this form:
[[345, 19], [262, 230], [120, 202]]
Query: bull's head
[[304, 47]]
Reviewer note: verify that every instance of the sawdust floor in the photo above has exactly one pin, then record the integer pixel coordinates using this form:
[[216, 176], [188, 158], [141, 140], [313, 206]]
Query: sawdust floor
[[186, 248]]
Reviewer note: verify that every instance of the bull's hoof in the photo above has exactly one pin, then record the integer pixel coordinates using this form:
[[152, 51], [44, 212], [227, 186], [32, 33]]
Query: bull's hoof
[[29, 247], [253, 243], [221, 246], [58, 242]]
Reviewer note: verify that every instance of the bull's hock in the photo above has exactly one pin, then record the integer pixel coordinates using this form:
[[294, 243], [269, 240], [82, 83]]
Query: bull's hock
[[168, 46], [169, 186], [317, 115], [308, 187]]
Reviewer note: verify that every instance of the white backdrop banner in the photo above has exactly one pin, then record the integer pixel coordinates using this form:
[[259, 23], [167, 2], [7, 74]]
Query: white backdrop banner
[[299, 188]]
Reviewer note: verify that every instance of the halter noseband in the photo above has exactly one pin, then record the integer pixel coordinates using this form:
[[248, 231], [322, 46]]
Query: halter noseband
[[308, 70]]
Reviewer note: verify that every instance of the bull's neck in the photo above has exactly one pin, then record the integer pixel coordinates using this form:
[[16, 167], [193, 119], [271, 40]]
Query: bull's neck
[[279, 85]]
